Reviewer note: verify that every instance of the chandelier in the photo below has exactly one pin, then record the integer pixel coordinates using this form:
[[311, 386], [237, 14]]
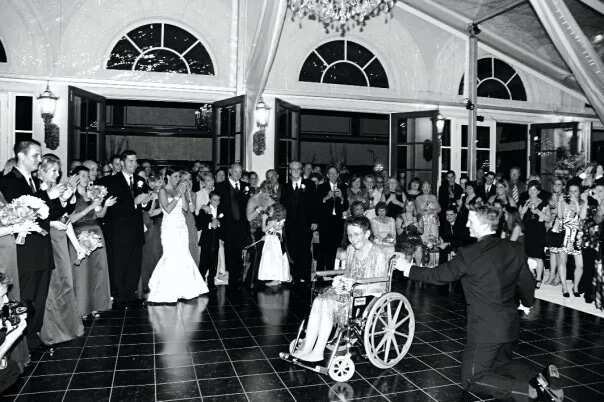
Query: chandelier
[[340, 14], [203, 117]]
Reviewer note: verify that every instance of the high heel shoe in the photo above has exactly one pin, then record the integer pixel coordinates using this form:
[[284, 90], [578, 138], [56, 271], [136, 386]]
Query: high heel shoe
[[565, 294], [576, 294]]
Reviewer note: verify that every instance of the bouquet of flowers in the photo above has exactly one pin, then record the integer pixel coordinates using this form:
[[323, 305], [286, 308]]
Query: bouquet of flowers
[[24, 209], [96, 193], [342, 284], [89, 241]]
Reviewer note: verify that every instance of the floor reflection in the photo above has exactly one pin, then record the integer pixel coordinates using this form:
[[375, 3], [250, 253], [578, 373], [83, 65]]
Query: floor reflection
[[274, 305], [174, 326]]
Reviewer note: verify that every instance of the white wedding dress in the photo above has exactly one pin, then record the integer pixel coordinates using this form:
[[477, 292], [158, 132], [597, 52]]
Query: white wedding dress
[[176, 275]]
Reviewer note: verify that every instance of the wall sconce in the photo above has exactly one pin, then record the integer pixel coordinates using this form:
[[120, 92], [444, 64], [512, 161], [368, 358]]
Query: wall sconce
[[439, 120], [48, 104], [261, 114]]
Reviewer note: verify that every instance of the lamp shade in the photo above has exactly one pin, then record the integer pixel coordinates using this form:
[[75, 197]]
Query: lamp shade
[[440, 123], [261, 113], [48, 102]]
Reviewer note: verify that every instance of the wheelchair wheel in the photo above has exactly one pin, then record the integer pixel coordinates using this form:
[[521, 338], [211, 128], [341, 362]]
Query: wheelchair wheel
[[389, 329], [341, 368]]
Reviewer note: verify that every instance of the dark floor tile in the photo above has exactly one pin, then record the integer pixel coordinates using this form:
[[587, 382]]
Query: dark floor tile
[[360, 388], [63, 354], [135, 393], [99, 379], [213, 356], [177, 390], [409, 363], [214, 370], [300, 378], [135, 362], [251, 353], [247, 367], [582, 393], [233, 332], [96, 364], [99, 351], [388, 384], [97, 331], [426, 379], [220, 386], [315, 393], [137, 338], [16, 387], [43, 396], [440, 360], [243, 342], [261, 382], [447, 346], [368, 370], [226, 398], [452, 373], [271, 340], [134, 377], [451, 393], [173, 360], [422, 349], [411, 396], [87, 395], [270, 396], [581, 375], [102, 340], [140, 349], [46, 383], [204, 346], [54, 367], [175, 374]]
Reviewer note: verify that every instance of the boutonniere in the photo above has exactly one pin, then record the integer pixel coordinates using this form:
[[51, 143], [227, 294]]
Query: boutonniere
[[140, 184], [220, 216], [246, 189], [43, 186], [303, 186]]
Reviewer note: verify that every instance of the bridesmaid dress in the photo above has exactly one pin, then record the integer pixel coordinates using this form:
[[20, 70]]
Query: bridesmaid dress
[[8, 266], [62, 320], [152, 249]]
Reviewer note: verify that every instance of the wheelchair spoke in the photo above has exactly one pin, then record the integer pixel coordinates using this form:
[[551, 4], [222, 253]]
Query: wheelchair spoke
[[401, 322], [395, 344], [379, 332], [382, 320], [382, 343], [401, 334], [387, 351], [389, 312], [397, 312]]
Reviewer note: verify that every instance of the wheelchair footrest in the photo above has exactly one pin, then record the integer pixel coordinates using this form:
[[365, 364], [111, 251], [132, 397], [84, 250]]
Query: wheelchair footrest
[[304, 364]]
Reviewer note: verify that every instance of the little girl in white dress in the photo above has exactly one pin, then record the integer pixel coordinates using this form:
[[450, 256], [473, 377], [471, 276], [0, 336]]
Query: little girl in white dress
[[274, 263]]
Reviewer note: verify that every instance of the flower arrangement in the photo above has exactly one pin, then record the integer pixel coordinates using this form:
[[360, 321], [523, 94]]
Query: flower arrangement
[[342, 284], [24, 209], [89, 241]]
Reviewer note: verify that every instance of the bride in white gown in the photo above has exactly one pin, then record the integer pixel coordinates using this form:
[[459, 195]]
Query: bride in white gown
[[176, 275]]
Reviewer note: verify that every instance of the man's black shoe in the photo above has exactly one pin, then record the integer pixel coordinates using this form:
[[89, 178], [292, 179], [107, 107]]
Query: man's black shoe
[[547, 386]]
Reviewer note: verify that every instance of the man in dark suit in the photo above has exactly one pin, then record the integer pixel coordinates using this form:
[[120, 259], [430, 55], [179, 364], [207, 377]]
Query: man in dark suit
[[449, 192], [487, 190], [494, 274], [332, 204], [34, 258], [208, 222], [234, 195], [125, 229], [299, 199], [516, 186], [453, 232]]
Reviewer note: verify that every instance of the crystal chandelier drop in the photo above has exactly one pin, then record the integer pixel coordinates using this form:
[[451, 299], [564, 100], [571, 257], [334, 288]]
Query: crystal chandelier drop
[[340, 14]]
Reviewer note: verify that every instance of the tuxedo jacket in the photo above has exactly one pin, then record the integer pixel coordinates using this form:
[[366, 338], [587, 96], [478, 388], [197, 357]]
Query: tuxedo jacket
[[36, 253], [300, 204], [494, 273], [325, 209], [443, 194], [125, 219], [485, 195], [457, 235], [233, 204], [209, 237]]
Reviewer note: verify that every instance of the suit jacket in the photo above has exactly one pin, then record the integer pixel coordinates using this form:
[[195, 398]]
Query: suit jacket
[[124, 215], [209, 237], [36, 253], [494, 273], [443, 194], [232, 204], [485, 195], [301, 205], [457, 235], [325, 209]]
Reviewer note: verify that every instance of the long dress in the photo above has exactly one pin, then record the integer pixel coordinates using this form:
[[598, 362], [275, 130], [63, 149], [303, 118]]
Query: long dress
[[8, 266], [374, 265], [194, 248], [274, 265], [91, 275], [534, 233], [62, 320], [176, 275], [151, 249]]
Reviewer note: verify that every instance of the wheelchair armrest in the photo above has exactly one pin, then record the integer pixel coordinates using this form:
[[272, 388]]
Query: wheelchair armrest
[[371, 280], [329, 273]]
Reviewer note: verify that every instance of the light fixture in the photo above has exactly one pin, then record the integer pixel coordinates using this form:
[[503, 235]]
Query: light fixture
[[340, 14], [203, 117], [439, 120], [261, 114], [48, 104]]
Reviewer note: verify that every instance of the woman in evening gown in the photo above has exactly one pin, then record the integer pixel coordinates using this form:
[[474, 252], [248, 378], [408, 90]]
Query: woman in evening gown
[[176, 275], [189, 206], [91, 274], [62, 321], [152, 247]]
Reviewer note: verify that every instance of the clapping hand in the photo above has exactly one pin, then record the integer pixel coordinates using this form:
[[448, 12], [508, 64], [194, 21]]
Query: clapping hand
[[56, 191], [109, 202], [73, 181], [215, 223]]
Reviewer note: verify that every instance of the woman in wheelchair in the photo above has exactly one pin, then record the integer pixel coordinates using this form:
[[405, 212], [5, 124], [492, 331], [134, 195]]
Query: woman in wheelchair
[[363, 260]]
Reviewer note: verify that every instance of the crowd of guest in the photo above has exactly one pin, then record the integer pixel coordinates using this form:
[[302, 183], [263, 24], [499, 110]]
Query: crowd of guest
[[244, 229]]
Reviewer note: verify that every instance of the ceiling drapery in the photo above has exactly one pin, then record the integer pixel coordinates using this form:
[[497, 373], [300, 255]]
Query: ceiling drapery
[[262, 54], [575, 48]]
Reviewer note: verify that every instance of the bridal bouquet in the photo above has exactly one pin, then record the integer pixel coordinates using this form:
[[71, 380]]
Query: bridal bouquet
[[96, 193], [89, 241], [21, 210], [342, 284]]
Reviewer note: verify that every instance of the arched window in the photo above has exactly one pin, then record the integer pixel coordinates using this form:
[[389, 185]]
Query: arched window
[[344, 62], [497, 79], [161, 48], [2, 54]]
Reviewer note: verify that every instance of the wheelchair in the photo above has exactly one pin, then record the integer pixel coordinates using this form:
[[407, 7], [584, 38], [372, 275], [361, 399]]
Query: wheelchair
[[380, 328]]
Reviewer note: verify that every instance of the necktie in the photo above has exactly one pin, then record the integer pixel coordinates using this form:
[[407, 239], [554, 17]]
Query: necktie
[[515, 193], [237, 186], [32, 185], [333, 188], [131, 184], [296, 186]]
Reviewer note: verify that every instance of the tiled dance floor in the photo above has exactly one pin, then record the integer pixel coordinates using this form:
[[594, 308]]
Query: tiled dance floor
[[225, 348]]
